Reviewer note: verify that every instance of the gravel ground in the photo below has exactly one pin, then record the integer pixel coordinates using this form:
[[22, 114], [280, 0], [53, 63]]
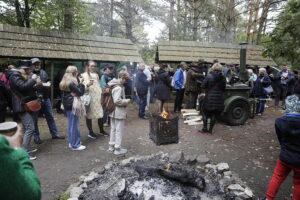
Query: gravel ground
[[250, 150]]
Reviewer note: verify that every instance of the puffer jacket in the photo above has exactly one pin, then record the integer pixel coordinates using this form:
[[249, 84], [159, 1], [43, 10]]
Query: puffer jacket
[[118, 94], [162, 89], [68, 98], [214, 85], [288, 133], [22, 90]]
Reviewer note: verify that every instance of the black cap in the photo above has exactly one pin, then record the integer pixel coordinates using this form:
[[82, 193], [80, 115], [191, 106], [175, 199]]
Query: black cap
[[25, 64]]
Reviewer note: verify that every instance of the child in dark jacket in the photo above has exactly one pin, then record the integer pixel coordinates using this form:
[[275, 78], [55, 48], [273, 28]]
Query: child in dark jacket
[[288, 133]]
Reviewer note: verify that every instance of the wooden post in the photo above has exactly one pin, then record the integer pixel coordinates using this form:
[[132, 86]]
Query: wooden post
[[52, 82]]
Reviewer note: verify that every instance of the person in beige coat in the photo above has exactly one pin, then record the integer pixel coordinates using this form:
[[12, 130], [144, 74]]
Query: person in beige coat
[[118, 116], [94, 110]]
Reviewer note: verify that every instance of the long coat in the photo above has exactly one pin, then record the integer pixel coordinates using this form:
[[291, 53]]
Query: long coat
[[95, 110], [162, 90], [214, 85]]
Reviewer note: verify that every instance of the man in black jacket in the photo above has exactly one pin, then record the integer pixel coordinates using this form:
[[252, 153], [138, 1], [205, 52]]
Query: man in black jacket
[[142, 85], [22, 92], [46, 109]]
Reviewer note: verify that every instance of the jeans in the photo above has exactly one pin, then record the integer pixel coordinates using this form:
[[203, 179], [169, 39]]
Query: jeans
[[178, 100], [116, 132], [106, 118], [260, 106], [27, 119], [47, 110], [281, 171], [281, 94], [142, 105], [73, 129]]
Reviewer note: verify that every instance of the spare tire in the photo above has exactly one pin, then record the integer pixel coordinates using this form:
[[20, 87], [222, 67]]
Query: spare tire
[[237, 113]]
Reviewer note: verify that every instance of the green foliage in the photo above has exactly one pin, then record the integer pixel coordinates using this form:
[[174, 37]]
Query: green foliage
[[63, 196], [283, 44], [49, 14], [148, 54]]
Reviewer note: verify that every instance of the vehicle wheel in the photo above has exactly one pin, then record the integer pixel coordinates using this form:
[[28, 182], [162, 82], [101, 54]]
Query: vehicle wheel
[[238, 113]]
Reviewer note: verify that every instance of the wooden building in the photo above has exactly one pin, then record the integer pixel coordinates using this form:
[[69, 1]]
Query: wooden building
[[192, 51]]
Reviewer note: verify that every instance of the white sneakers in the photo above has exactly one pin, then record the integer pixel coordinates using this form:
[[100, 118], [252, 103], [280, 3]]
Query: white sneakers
[[81, 147], [111, 148]]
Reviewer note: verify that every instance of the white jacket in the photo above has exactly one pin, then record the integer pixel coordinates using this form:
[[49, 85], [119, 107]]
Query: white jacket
[[118, 94]]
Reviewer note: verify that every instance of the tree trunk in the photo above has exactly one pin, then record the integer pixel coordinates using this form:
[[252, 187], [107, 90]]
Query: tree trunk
[[230, 20], [20, 20], [250, 20], [171, 20], [255, 21], [111, 28], [128, 20], [184, 25], [178, 21], [263, 19], [68, 16], [27, 14], [196, 6]]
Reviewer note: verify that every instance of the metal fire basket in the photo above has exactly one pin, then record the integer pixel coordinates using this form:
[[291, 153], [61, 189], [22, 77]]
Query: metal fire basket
[[163, 130]]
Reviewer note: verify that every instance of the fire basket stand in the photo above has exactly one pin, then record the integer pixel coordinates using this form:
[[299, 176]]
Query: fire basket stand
[[164, 130]]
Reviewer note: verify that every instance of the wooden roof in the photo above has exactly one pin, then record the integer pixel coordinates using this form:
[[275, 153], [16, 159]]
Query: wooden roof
[[191, 51], [25, 42]]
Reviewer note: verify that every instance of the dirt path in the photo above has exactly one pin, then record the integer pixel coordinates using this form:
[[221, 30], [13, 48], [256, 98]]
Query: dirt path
[[251, 151]]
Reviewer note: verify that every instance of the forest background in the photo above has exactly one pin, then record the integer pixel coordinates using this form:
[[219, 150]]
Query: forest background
[[274, 24]]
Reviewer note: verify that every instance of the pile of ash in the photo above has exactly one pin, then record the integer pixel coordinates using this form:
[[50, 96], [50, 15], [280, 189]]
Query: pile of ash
[[161, 177]]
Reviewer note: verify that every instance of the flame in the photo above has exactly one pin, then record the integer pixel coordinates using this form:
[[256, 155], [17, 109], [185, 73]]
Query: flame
[[164, 114]]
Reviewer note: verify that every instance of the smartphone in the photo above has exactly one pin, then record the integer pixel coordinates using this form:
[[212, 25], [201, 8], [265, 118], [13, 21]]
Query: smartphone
[[8, 128]]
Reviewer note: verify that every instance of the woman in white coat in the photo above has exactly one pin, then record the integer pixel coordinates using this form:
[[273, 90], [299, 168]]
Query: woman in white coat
[[94, 110]]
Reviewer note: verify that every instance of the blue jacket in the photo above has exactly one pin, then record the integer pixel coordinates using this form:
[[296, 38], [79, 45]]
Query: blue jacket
[[288, 133], [259, 86], [178, 79]]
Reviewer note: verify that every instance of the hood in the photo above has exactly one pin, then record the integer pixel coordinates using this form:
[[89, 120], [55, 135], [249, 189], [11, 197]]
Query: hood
[[8, 73], [114, 82], [293, 121]]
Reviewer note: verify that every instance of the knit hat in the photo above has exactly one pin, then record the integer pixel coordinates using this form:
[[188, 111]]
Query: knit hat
[[292, 104]]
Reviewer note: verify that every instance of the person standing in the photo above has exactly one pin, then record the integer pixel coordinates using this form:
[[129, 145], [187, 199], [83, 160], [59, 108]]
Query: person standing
[[3, 101], [191, 88], [105, 78], [179, 85], [73, 107], [213, 103], [92, 88], [162, 89], [282, 79], [142, 84], [46, 109], [287, 129], [261, 82], [22, 92], [118, 116]]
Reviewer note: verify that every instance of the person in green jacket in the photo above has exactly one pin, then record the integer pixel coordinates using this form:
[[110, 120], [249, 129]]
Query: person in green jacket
[[18, 179]]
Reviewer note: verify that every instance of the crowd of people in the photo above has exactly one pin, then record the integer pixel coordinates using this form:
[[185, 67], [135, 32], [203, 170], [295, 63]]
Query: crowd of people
[[199, 86]]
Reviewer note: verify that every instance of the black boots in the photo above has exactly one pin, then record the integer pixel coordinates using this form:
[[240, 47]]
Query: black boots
[[100, 124], [89, 125]]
